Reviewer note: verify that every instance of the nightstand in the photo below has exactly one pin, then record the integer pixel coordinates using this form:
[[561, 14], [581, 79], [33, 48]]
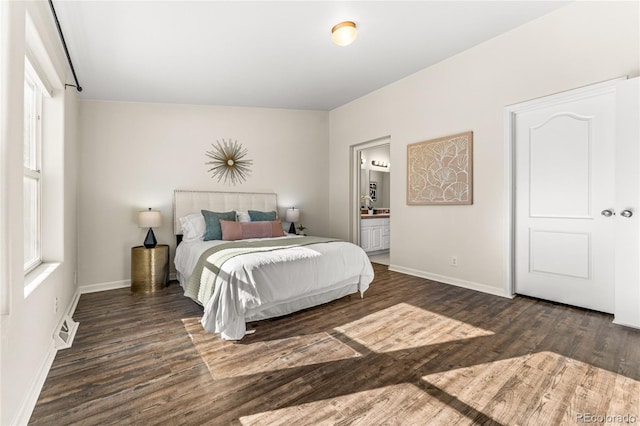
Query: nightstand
[[149, 268]]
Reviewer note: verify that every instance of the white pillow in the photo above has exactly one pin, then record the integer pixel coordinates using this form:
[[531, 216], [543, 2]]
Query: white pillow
[[193, 227], [243, 217]]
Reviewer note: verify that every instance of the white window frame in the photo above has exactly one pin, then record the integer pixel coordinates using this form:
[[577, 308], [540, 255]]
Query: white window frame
[[35, 172]]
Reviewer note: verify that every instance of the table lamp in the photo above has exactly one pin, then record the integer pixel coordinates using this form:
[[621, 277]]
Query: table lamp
[[149, 219], [293, 215]]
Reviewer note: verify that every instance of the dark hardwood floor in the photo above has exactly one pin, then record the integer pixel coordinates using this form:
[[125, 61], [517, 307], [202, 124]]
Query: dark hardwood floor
[[412, 352]]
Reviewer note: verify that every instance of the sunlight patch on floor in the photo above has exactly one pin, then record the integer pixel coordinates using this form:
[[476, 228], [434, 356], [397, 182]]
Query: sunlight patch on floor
[[387, 329], [403, 403], [559, 388], [226, 359]]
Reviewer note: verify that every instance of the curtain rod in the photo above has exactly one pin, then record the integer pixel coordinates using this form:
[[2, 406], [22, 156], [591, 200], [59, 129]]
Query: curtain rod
[[64, 44]]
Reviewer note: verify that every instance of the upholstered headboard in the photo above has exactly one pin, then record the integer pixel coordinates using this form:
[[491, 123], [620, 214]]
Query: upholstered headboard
[[186, 202]]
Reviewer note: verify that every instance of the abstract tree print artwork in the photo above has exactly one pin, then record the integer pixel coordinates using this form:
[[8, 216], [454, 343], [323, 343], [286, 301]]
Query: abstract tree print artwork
[[439, 171]]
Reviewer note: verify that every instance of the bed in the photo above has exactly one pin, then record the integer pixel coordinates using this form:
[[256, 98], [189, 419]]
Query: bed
[[258, 278]]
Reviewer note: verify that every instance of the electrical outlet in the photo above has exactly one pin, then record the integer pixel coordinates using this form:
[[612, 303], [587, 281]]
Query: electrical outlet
[[55, 305], [453, 261]]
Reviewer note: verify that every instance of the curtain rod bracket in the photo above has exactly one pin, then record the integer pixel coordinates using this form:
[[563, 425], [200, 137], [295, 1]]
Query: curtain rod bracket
[[79, 89]]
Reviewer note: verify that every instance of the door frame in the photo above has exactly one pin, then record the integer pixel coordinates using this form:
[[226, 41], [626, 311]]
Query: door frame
[[509, 114], [354, 187]]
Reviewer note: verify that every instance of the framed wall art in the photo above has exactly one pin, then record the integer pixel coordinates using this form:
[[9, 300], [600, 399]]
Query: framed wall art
[[440, 171], [227, 162], [373, 191]]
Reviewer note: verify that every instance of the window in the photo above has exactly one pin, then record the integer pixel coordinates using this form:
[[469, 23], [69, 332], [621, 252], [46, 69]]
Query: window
[[32, 168]]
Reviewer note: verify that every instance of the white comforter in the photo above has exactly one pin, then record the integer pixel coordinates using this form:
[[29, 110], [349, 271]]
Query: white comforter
[[267, 284]]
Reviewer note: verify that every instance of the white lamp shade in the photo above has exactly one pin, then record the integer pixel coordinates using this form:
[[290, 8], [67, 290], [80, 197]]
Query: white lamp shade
[[149, 219], [293, 215]]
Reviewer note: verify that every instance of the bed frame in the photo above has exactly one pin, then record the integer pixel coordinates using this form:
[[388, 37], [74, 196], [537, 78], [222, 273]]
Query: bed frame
[[186, 202]]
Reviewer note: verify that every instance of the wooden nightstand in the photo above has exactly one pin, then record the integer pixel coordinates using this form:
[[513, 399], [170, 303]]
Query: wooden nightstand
[[149, 268]]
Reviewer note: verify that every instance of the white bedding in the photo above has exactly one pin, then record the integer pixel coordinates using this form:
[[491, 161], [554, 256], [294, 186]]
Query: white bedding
[[267, 284]]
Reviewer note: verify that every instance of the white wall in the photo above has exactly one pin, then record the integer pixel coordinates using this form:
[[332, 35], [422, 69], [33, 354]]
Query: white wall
[[29, 321], [580, 44], [134, 155]]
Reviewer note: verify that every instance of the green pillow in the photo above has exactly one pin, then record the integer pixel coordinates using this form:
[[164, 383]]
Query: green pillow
[[212, 222], [258, 216]]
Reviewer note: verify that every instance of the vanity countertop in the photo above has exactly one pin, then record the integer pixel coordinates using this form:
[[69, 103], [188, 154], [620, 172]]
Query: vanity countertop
[[374, 216]]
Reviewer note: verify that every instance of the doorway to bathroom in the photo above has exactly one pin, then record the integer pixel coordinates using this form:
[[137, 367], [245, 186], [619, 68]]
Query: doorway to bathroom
[[371, 199]]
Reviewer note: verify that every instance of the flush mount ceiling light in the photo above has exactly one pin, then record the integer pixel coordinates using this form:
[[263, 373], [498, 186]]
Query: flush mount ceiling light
[[344, 33]]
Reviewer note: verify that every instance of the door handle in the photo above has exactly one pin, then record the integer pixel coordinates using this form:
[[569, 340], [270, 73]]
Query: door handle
[[607, 213], [626, 213]]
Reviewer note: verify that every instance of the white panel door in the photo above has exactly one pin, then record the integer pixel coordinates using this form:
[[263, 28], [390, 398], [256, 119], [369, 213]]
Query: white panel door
[[565, 156], [627, 294]]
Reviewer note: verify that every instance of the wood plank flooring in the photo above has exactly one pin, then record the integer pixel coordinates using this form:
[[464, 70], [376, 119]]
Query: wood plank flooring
[[411, 352]]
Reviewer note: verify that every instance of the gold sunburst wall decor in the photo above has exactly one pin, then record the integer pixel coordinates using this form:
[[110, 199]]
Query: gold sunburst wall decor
[[228, 163]]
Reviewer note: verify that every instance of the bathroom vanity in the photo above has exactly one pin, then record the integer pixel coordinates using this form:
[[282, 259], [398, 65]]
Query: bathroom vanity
[[374, 230]]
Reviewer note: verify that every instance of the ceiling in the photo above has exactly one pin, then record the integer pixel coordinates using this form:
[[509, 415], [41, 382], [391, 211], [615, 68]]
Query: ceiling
[[269, 54]]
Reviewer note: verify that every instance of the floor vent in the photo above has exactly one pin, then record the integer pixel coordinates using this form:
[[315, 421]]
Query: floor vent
[[65, 333]]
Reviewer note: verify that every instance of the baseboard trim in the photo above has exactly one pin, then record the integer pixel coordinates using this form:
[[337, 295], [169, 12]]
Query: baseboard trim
[[452, 281], [29, 403], [626, 324], [113, 285], [74, 303]]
